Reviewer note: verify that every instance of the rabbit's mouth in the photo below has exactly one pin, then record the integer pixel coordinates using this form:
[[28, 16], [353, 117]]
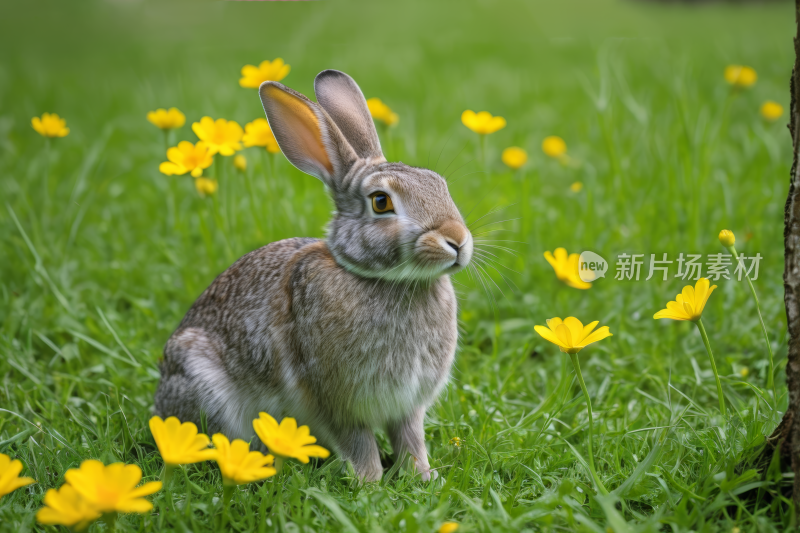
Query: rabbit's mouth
[[447, 249]]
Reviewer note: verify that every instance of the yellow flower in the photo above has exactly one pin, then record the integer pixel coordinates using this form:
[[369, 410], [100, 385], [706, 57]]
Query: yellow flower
[[576, 187], [570, 335], [456, 441], [167, 120], [187, 157], [286, 439], [258, 133], [727, 238], [180, 444], [66, 507], [112, 488], [382, 112], [689, 304], [554, 146], [740, 76], [9, 475], [206, 186], [771, 110], [240, 162], [221, 136], [238, 464], [744, 372], [448, 527], [483, 122], [566, 268], [514, 157], [253, 76], [50, 125]]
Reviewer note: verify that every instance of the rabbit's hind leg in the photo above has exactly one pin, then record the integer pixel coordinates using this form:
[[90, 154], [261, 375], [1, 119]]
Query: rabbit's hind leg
[[194, 385]]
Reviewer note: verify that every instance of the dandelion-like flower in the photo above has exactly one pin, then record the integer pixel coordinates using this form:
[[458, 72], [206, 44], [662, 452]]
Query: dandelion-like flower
[[50, 125], [381, 111], [456, 441], [206, 186], [566, 268], [727, 238], [253, 76], [112, 488], [576, 187], [10, 480], [258, 133], [180, 444], [483, 123], [740, 76], [554, 146], [167, 119], [66, 507], [689, 304], [448, 527], [221, 136], [240, 162], [238, 464], [514, 157], [286, 439], [771, 110], [570, 335], [187, 157]]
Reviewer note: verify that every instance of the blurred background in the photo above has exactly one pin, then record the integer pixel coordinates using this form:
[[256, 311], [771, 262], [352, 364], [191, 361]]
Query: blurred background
[[101, 255]]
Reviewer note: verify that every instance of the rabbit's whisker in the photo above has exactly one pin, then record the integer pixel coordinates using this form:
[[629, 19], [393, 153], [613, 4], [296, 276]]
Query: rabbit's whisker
[[442, 150], [509, 282], [482, 264], [456, 157], [495, 222], [496, 209], [491, 231], [465, 175], [503, 248]]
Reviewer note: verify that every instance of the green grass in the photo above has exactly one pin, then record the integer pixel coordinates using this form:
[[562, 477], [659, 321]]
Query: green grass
[[100, 255]]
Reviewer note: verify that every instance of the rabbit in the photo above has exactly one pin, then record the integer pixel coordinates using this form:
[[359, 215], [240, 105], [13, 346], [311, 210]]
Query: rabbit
[[348, 334]]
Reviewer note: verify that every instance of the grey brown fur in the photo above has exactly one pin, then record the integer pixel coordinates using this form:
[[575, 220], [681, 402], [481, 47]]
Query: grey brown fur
[[348, 334]]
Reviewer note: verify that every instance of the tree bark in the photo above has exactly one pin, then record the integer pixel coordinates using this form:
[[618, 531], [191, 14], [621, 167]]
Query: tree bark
[[787, 434]]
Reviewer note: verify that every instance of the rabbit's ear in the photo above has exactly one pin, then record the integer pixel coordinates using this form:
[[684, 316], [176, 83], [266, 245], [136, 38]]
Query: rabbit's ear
[[306, 134], [341, 97]]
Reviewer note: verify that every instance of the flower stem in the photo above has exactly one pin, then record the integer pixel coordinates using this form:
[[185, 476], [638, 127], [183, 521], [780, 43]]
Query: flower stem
[[166, 480], [483, 149], [770, 377], [111, 520], [253, 208], [47, 166], [278, 464], [600, 487], [713, 365], [227, 494]]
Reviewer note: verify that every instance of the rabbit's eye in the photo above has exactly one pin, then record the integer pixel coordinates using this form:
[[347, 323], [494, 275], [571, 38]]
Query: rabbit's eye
[[382, 203]]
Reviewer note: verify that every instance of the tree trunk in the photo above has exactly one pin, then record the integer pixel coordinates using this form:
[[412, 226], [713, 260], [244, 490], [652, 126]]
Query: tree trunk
[[787, 434]]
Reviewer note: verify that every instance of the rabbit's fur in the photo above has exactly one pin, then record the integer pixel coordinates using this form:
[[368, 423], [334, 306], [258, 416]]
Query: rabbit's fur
[[347, 334]]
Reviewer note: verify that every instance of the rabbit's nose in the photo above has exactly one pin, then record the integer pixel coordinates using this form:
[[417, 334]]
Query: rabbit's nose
[[452, 245]]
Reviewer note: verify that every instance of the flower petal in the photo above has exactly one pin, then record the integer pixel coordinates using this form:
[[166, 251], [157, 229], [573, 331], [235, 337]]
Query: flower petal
[[598, 335], [548, 335]]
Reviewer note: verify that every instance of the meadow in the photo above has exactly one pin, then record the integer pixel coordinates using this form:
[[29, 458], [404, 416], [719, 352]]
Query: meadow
[[101, 254]]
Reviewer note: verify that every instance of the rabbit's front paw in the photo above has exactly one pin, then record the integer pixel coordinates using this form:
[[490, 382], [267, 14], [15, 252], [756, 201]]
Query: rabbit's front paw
[[370, 473]]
